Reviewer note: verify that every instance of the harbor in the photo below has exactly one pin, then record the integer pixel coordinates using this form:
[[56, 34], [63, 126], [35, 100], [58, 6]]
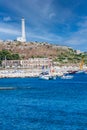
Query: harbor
[[43, 65], [35, 72]]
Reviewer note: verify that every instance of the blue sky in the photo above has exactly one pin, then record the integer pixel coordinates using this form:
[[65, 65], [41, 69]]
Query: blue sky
[[62, 22]]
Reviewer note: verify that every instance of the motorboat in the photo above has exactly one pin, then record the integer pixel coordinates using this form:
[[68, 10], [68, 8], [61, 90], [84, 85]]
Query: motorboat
[[71, 71], [67, 77], [47, 76]]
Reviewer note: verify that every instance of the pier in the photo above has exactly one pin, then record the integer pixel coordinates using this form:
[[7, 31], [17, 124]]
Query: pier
[[35, 72]]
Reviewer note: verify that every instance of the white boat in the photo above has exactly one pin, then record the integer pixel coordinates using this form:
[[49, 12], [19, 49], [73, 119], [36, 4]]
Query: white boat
[[67, 77], [80, 71], [85, 72], [46, 76]]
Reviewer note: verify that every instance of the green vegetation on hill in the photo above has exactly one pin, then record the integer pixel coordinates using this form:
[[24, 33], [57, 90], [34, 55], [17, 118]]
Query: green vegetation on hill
[[5, 54], [60, 54], [70, 57]]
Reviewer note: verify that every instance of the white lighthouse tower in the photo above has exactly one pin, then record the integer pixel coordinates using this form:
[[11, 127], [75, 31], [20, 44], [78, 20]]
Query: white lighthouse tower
[[23, 37]]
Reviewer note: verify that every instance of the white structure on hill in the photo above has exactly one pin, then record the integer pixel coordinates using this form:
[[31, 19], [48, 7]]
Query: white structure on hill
[[23, 37]]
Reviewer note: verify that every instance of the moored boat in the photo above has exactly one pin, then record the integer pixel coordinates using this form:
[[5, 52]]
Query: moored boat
[[67, 77], [71, 71], [46, 76]]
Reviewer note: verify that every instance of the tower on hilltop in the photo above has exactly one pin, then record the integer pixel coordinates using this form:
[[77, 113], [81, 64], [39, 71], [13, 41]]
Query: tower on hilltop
[[23, 37]]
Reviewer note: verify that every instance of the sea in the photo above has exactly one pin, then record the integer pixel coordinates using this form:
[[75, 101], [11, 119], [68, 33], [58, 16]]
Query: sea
[[37, 104]]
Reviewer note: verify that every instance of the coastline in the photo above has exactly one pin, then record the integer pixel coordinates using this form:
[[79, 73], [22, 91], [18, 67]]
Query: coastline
[[19, 73], [35, 72]]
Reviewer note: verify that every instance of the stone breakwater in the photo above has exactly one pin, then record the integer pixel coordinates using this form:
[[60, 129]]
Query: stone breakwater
[[35, 72], [26, 73], [19, 73]]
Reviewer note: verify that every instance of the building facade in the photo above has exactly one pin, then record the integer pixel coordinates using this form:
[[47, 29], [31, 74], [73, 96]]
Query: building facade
[[30, 63]]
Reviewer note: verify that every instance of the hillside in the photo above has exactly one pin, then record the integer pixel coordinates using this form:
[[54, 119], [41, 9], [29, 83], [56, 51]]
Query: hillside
[[33, 49], [60, 54]]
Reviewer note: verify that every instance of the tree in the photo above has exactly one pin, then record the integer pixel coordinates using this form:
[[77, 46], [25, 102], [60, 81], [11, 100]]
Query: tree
[[15, 56], [8, 55]]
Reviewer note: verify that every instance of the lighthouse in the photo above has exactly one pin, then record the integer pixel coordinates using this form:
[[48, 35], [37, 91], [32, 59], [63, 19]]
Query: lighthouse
[[23, 37]]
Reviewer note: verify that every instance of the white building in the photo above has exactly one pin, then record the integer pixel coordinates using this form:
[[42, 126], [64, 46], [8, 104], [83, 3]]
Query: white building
[[78, 52], [30, 63], [23, 37]]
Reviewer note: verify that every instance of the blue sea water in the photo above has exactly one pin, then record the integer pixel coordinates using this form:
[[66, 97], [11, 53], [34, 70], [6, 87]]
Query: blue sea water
[[37, 104]]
